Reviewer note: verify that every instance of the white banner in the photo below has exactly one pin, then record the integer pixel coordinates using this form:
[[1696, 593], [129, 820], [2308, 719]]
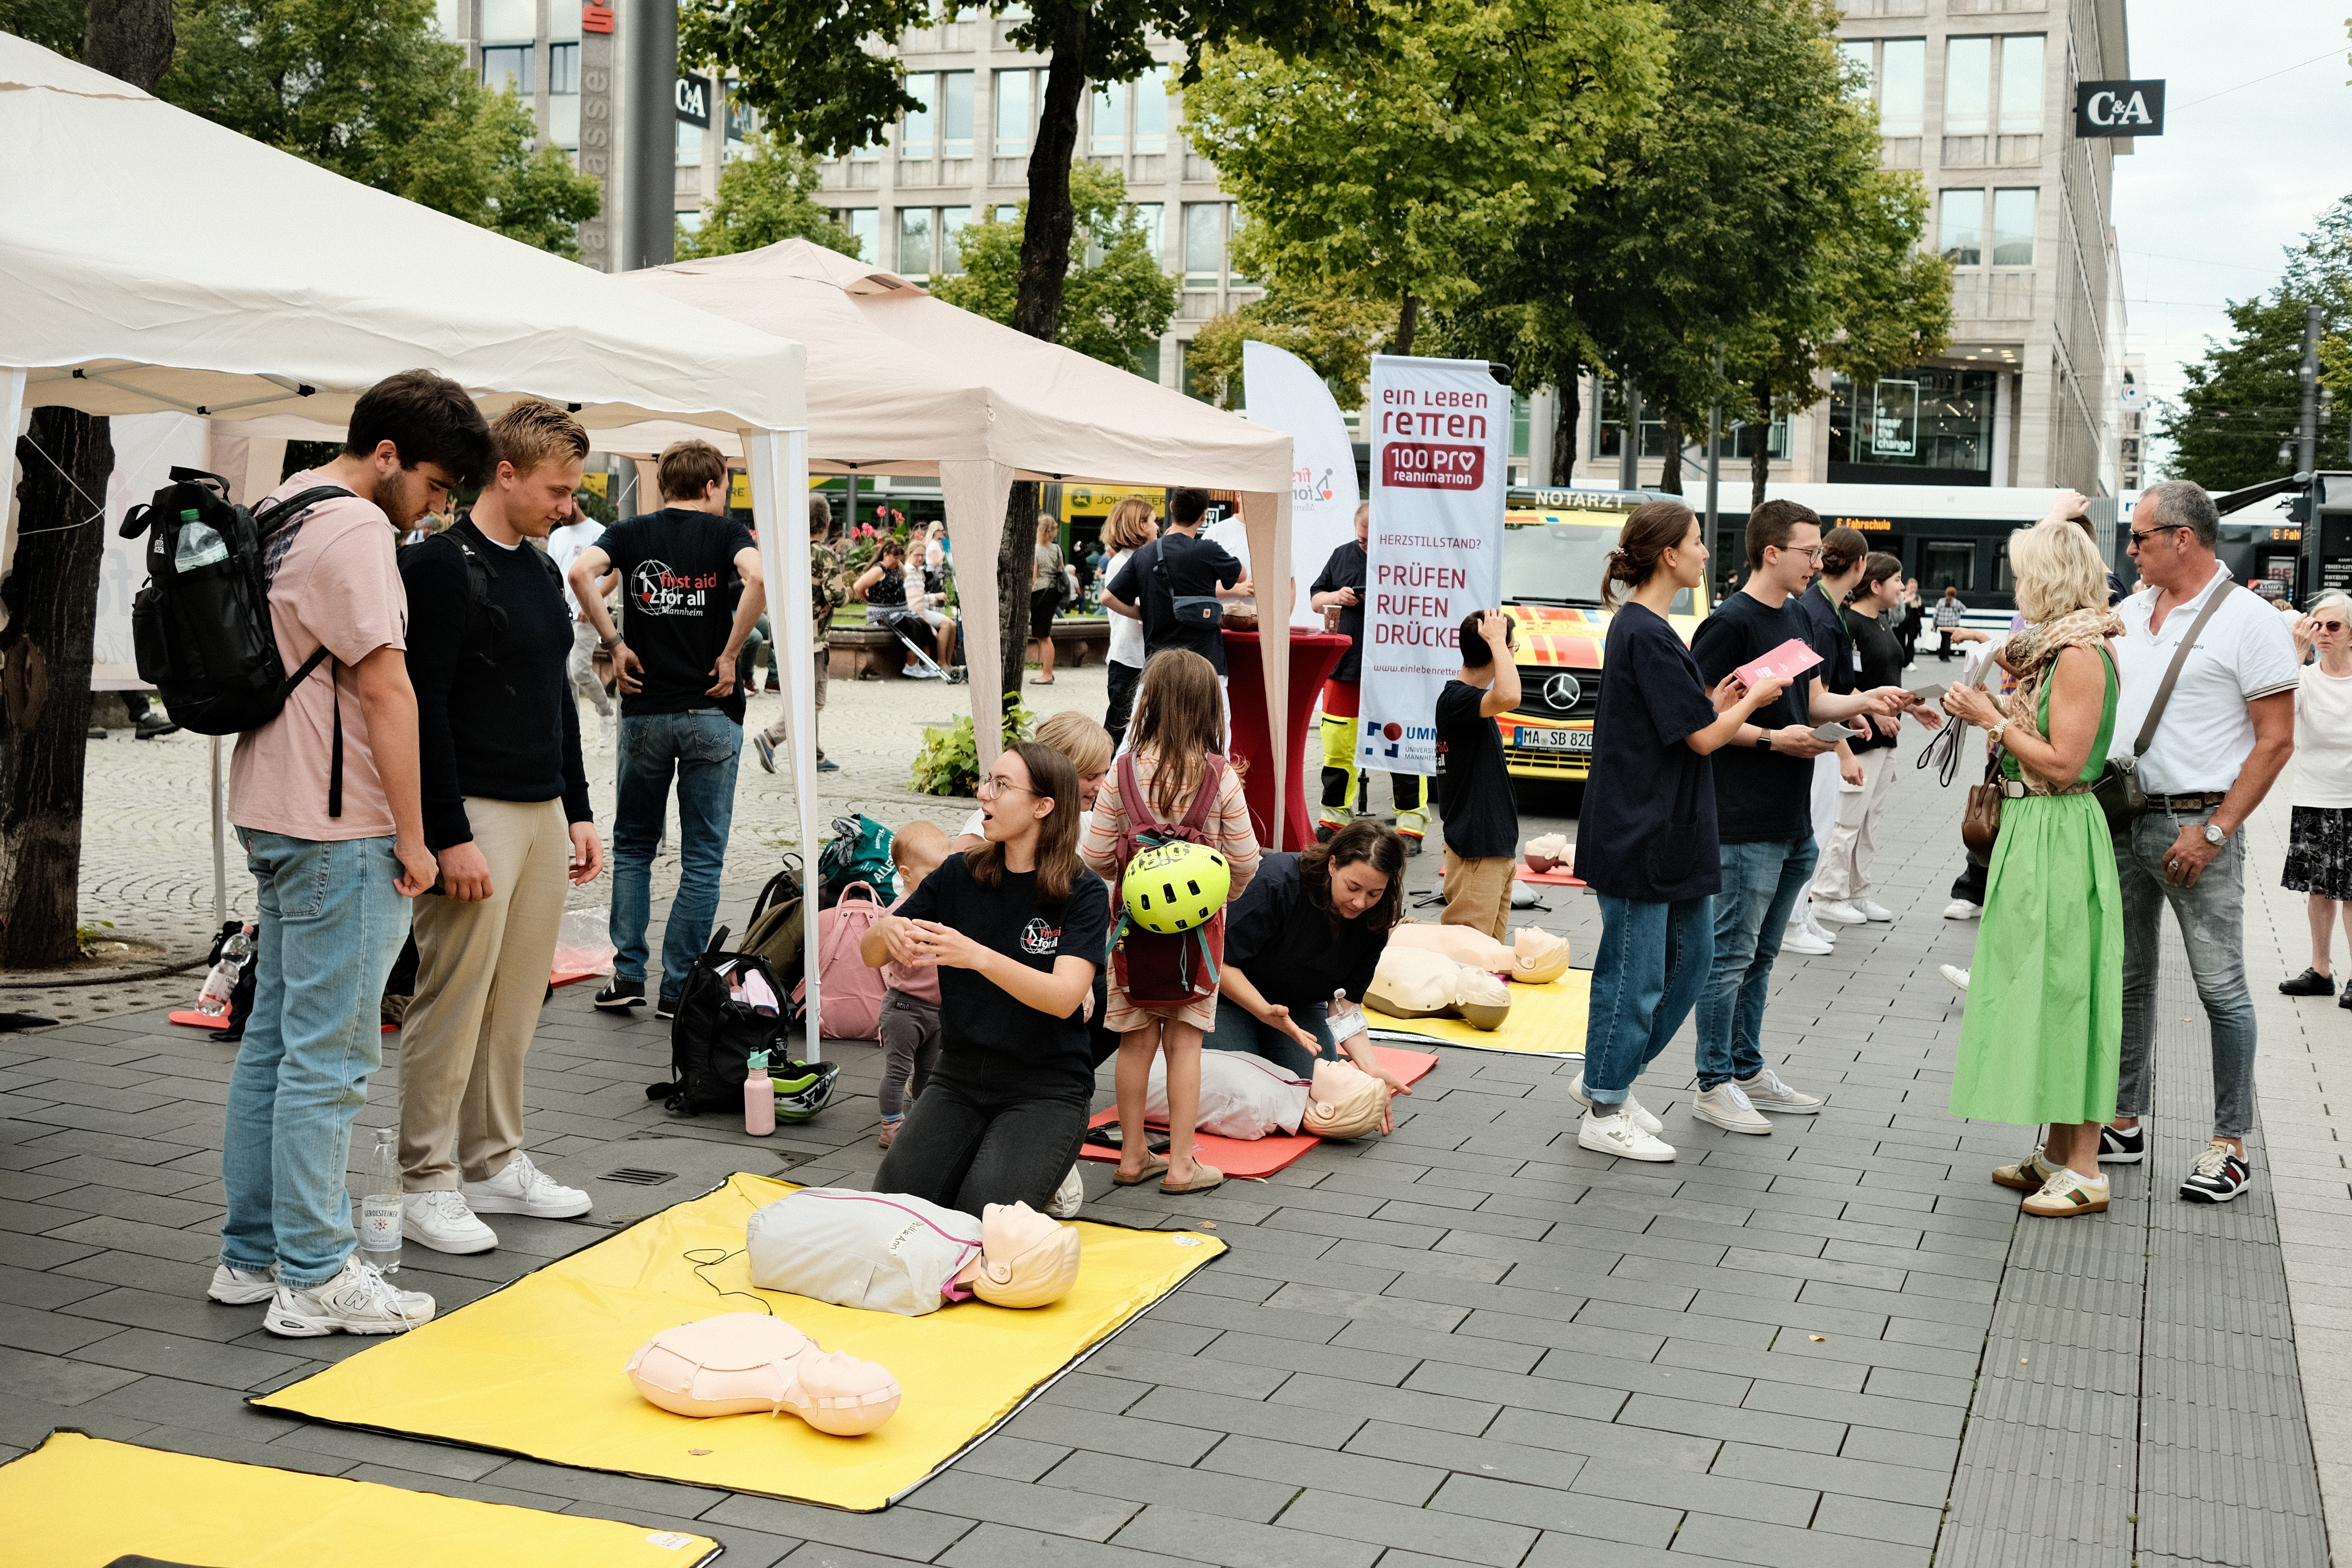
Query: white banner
[[1282, 393], [1441, 433]]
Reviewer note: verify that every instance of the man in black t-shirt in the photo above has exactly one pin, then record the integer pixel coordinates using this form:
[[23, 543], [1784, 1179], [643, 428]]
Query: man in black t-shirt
[[1340, 586], [1482, 818], [691, 592], [1763, 794], [1179, 566]]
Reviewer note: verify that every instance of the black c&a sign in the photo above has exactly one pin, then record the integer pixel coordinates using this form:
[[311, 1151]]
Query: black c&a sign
[[2118, 108], [693, 93]]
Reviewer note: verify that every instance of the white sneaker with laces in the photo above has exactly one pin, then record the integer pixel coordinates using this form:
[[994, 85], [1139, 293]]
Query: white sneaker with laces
[[1839, 911], [444, 1221], [1956, 975], [1961, 909], [1068, 1198], [1874, 911], [1628, 1105], [242, 1286], [1765, 1092], [1723, 1105], [523, 1188], [1797, 939], [359, 1301], [1620, 1136]]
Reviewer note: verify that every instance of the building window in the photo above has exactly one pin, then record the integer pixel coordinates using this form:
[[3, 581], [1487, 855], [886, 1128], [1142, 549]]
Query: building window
[[2012, 227], [508, 67], [1151, 111], [1901, 86], [1011, 114], [1109, 113], [689, 145], [1147, 362], [1204, 244], [955, 114], [1922, 417], [1609, 423], [1856, 55], [1947, 563], [916, 131], [445, 17], [691, 221], [953, 221], [1968, 86], [510, 21], [1962, 224], [564, 67], [915, 241], [1008, 212], [864, 226], [2021, 85], [1739, 441], [1152, 218]]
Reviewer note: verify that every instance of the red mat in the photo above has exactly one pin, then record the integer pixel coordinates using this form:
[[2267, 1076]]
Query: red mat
[[1265, 1156], [189, 1018], [565, 977], [1553, 879]]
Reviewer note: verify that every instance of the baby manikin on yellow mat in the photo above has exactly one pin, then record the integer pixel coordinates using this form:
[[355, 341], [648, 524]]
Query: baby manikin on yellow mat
[[81, 1502], [535, 1368]]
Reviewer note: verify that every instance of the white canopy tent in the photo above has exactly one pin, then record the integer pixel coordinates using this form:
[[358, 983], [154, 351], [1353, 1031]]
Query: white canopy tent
[[155, 261]]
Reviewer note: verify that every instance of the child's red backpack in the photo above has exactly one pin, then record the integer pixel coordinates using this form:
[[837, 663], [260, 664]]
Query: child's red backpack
[[1164, 970]]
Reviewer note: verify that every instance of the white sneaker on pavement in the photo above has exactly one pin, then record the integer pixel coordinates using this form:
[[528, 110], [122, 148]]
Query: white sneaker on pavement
[[1619, 1135], [242, 1286], [1068, 1198], [444, 1221], [1961, 909], [1839, 911], [1875, 912], [1628, 1105], [1726, 1107], [523, 1188], [1765, 1092], [359, 1301], [1797, 939], [1956, 975]]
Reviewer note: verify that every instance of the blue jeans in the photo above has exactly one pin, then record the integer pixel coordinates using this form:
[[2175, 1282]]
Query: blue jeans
[[701, 748], [1761, 884], [2212, 928], [1235, 1030], [1653, 960], [332, 923]]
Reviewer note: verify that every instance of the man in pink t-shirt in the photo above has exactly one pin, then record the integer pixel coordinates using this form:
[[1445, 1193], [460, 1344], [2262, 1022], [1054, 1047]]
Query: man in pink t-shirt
[[324, 798]]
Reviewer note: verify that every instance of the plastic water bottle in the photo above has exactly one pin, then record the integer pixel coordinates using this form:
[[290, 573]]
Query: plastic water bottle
[[759, 1097], [199, 545], [220, 984], [380, 1203]]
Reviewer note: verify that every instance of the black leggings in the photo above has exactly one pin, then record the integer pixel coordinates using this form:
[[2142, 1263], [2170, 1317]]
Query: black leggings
[[970, 1143], [1123, 680]]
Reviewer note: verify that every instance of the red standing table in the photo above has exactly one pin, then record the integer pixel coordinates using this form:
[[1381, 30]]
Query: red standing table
[[1313, 656]]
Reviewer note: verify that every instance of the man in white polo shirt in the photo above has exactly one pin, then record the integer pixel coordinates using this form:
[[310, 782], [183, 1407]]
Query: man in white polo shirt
[[2223, 737]]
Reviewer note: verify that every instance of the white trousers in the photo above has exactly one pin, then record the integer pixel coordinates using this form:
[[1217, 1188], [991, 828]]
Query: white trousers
[[1844, 870]]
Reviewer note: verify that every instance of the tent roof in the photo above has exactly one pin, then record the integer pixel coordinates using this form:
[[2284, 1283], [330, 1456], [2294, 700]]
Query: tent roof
[[155, 260], [899, 382]]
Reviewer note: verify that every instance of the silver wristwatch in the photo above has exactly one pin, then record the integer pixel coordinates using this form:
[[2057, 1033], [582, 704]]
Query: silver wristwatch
[[2215, 837]]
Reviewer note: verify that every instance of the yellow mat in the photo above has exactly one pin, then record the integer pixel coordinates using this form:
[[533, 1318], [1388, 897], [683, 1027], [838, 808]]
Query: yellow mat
[[535, 1368], [80, 1502], [1546, 1021]]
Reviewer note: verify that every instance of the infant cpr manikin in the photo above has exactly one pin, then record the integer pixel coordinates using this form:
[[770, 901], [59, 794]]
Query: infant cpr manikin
[[741, 1362]]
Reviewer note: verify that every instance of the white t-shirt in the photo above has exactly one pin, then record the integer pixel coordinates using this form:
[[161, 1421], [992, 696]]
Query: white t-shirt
[[2243, 653], [1126, 632], [2323, 740], [564, 545]]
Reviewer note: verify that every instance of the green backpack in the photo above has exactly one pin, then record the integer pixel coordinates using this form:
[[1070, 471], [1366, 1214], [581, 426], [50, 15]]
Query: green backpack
[[858, 852]]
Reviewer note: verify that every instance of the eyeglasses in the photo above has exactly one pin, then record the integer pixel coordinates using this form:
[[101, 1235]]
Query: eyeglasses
[[2141, 536], [1813, 555], [995, 784], [2327, 626]]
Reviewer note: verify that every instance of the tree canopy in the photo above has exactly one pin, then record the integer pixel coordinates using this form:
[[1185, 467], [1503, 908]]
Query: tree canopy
[[1336, 334], [1116, 301], [763, 198]]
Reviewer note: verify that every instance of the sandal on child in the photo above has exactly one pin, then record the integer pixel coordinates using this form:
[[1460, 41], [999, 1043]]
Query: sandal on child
[[1205, 1178], [1153, 1165]]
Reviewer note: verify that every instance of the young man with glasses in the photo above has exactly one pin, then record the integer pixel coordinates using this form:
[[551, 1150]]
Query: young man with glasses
[[2225, 733]]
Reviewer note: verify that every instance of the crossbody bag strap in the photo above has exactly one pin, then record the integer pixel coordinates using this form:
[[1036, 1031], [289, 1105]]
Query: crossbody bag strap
[[2172, 672]]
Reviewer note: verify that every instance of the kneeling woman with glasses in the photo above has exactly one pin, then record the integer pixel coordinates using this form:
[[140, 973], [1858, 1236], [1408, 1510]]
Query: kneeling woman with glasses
[[1016, 928]]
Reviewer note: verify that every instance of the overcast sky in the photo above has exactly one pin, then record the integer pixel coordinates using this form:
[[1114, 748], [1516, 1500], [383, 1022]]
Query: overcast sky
[[2257, 142]]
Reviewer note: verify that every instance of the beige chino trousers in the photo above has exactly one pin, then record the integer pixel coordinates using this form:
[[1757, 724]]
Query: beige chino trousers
[[1478, 893], [481, 974]]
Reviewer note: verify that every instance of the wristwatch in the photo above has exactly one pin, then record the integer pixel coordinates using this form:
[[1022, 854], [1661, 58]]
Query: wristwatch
[[2215, 837], [1764, 741], [610, 642]]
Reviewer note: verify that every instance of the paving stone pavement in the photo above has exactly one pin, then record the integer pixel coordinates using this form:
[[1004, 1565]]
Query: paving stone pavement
[[1469, 1342]]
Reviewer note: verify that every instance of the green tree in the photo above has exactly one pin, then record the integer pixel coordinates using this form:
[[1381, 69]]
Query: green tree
[[1389, 171], [1115, 302], [371, 91], [52, 24], [763, 198], [1336, 334]]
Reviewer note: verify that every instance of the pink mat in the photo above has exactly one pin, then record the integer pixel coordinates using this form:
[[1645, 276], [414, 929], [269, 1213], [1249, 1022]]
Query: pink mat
[[1265, 1156], [1552, 878]]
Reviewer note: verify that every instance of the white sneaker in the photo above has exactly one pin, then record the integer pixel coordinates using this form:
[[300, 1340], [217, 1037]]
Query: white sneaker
[[1620, 1136], [1797, 939], [1838, 911], [1874, 911], [1068, 1198], [1726, 1108], [1765, 1092], [1956, 975], [359, 1301], [443, 1222], [1826, 932], [1961, 909], [1628, 1105], [523, 1188], [242, 1286]]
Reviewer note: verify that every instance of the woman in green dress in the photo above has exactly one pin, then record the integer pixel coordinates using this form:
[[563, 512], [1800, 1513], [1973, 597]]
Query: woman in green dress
[[2042, 1038]]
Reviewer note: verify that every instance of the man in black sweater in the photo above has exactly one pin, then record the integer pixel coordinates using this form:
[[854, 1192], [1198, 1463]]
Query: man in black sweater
[[506, 811]]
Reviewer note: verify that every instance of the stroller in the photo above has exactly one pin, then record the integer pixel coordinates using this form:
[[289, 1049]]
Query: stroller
[[908, 624]]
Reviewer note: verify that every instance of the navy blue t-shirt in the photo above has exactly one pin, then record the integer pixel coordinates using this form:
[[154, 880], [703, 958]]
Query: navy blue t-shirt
[[1761, 796], [1643, 776], [1829, 629]]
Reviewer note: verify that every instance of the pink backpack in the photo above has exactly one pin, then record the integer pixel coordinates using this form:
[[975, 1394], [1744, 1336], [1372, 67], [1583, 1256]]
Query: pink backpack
[[851, 1001]]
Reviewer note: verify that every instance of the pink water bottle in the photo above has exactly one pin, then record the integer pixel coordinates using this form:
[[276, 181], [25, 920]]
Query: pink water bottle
[[759, 1097]]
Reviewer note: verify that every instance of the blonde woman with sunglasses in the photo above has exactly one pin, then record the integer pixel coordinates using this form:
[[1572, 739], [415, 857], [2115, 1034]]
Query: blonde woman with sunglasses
[[2319, 834]]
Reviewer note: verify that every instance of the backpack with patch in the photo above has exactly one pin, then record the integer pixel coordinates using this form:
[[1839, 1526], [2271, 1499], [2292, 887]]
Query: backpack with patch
[[858, 852], [1160, 970]]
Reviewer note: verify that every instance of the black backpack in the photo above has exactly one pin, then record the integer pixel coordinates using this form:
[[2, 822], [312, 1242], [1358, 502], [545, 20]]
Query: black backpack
[[713, 1035], [201, 625]]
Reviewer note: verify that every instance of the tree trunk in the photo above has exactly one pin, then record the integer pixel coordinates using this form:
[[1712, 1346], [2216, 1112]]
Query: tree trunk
[[130, 39], [1567, 395], [1670, 473], [1016, 563], [1759, 465], [44, 698], [1408, 318]]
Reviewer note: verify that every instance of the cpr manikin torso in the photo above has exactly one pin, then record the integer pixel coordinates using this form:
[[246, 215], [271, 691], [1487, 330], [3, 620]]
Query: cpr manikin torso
[[890, 1252], [741, 1362]]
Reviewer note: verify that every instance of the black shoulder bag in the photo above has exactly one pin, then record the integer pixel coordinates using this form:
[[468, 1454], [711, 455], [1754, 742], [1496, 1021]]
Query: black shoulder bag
[[2118, 790]]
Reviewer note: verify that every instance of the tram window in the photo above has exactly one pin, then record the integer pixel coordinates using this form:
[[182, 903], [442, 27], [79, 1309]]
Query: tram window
[[1947, 563]]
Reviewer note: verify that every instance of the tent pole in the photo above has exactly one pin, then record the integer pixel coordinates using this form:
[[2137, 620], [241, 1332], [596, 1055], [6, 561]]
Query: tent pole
[[220, 845], [778, 460]]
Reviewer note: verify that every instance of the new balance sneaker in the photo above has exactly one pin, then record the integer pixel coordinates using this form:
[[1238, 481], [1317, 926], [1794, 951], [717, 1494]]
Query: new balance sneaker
[[1628, 1105], [2066, 1195], [242, 1286], [1839, 911], [2310, 982], [1765, 1092], [1723, 1105], [2028, 1175], [1797, 939], [621, 996], [444, 1222], [1956, 975], [1961, 909], [1620, 1136], [2218, 1176], [1876, 912], [767, 750], [523, 1188], [1068, 1198], [2117, 1147], [359, 1301]]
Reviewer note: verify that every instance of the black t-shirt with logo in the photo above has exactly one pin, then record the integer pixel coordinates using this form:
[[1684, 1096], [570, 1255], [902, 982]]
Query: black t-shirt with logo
[[678, 594], [985, 1034], [1196, 569], [1346, 570]]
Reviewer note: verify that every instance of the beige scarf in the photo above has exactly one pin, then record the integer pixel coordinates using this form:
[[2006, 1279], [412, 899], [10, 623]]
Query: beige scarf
[[2031, 655]]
